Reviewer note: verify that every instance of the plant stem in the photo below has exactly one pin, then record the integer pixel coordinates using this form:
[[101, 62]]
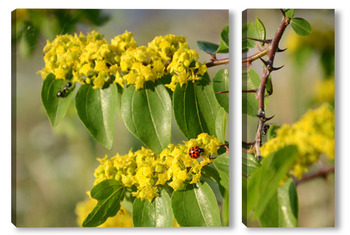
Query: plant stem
[[260, 94], [217, 62]]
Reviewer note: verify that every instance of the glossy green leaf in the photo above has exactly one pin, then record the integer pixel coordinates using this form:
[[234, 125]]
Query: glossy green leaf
[[207, 47], [221, 163], [220, 125], [96, 109], [300, 26], [147, 114], [221, 84], [55, 107], [263, 183], [282, 210], [289, 13], [196, 206], [260, 29], [211, 173], [251, 80], [224, 44], [195, 108], [156, 214], [109, 194]]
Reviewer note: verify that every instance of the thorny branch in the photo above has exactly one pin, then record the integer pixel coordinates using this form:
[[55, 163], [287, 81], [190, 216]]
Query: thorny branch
[[271, 50]]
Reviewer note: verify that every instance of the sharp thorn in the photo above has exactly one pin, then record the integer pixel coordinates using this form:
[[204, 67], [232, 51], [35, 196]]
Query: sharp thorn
[[264, 61], [268, 119], [281, 50], [274, 69], [261, 40], [283, 13], [260, 116]]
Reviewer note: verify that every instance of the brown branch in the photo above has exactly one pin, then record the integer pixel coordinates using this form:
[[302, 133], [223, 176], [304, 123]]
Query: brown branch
[[273, 48], [320, 173], [221, 92], [217, 62]]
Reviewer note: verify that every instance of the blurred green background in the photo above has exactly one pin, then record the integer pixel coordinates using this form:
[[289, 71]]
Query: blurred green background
[[54, 166], [306, 81]]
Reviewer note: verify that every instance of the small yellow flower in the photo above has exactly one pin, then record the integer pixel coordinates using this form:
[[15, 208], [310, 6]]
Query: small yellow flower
[[91, 59], [146, 170]]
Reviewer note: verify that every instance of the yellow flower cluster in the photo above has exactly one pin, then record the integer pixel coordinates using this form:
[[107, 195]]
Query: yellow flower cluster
[[313, 135], [92, 60], [146, 170], [122, 219]]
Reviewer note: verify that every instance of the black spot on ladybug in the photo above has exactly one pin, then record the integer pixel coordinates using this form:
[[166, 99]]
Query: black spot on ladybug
[[195, 152]]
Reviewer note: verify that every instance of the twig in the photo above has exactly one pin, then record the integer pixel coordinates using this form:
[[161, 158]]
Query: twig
[[250, 59], [217, 62], [320, 173]]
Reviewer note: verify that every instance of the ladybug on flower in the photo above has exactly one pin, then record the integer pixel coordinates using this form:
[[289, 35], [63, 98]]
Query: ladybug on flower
[[195, 152]]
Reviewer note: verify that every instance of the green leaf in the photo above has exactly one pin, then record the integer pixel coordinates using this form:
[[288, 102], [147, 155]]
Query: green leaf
[[196, 206], [147, 114], [220, 125], [248, 30], [224, 44], [211, 173], [55, 107], [289, 13], [109, 194], [225, 209], [249, 164], [282, 210], [156, 214], [300, 26], [207, 47], [220, 84], [260, 29], [221, 163], [263, 183], [29, 39], [195, 108], [251, 80], [272, 132], [96, 109], [119, 99]]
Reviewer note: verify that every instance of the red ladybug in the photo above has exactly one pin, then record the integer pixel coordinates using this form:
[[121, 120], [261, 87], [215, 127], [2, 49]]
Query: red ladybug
[[195, 152]]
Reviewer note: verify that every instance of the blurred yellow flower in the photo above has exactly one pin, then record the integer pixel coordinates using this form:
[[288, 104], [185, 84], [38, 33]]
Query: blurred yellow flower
[[313, 135], [122, 219]]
